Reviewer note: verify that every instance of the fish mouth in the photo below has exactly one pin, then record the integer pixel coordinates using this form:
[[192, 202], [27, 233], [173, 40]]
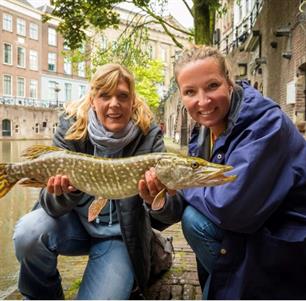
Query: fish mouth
[[216, 175]]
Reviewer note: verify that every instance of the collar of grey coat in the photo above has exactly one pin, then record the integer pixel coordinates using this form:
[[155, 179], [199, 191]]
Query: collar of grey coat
[[204, 132]]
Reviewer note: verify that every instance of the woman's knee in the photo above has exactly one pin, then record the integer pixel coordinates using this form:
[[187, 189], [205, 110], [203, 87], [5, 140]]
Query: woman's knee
[[28, 233], [190, 221]]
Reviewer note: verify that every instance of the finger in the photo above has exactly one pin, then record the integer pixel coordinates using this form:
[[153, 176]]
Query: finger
[[150, 181], [65, 184], [158, 184], [171, 192], [50, 185], [58, 185], [144, 192]]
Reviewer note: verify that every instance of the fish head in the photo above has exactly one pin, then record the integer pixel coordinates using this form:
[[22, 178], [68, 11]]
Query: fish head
[[178, 172]]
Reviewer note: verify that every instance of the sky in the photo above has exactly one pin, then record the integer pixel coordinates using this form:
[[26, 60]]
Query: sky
[[175, 7]]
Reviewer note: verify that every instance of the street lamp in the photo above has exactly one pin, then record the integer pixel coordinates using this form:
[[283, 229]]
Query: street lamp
[[57, 89]]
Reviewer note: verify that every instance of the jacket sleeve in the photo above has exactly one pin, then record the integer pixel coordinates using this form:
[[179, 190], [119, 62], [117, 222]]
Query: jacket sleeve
[[263, 159], [59, 205], [170, 214]]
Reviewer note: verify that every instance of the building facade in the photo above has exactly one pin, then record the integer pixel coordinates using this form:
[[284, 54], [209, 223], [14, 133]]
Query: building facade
[[265, 43], [35, 75]]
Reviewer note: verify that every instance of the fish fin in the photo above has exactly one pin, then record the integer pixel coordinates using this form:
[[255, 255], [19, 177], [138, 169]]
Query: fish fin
[[95, 208], [159, 200], [5, 184], [35, 151], [27, 182]]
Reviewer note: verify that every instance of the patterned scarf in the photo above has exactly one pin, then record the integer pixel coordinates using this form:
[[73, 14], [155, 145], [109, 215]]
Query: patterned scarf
[[109, 143]]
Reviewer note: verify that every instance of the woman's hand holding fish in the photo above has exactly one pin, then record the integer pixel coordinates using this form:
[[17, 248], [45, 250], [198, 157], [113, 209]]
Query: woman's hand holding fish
[[150, 186], [59, 185]]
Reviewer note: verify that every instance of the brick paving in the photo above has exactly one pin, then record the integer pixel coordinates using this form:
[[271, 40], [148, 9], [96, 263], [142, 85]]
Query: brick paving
[[179, 283]]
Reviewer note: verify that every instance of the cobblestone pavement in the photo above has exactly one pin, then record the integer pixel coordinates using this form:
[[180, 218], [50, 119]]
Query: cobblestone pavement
[[179, 283]]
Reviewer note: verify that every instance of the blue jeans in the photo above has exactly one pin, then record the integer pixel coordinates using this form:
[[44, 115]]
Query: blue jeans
[[39, 239], [205, 238]]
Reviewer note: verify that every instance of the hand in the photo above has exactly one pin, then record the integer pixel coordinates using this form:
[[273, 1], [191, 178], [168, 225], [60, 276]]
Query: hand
[[59, 184], [150, 186]]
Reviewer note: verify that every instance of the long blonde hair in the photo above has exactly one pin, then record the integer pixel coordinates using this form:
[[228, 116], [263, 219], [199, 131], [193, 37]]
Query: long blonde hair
[[106, 79], [201, 52]]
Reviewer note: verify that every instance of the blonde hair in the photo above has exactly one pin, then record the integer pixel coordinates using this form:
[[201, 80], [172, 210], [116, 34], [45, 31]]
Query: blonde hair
[[201, 52], [106, 79]]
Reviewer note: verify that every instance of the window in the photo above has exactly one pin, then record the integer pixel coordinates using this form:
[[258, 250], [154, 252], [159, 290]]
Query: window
[[66, 47], [33, 88], [33, 31], [81, 69], [6, 127], [33, 60], [7, 85], [104, 43], [7, 54], [21, 57], [21, 27], [151, 52], [163, 54], [7, 22], [51, 36], [52, 61], [68, 90], [67, 66], [51, 90], [82, 90], [20, 87]]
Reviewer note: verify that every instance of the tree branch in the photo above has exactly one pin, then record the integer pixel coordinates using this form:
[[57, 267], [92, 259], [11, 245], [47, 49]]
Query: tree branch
[[188, 7]]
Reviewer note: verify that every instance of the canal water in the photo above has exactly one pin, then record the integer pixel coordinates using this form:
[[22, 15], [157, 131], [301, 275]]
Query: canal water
[[16, 203]]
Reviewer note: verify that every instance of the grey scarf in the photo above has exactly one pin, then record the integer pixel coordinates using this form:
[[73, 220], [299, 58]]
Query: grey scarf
[[109, 143]]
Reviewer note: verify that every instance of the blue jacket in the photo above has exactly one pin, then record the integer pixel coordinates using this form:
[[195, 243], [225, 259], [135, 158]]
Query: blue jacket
[[264, 210]]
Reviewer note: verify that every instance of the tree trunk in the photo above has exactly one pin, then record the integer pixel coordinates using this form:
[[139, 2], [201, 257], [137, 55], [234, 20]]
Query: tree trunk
[[203, 22]]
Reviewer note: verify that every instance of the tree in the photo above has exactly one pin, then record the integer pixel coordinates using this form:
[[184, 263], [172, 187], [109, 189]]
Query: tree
[[77, 16]]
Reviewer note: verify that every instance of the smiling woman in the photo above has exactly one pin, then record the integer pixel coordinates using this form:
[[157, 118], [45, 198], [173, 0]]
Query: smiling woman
[[110, 121]]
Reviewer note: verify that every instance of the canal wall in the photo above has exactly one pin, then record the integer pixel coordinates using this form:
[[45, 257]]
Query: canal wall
[[24, 122]]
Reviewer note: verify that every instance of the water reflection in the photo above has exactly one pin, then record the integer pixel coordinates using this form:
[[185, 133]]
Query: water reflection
[[15, 204]]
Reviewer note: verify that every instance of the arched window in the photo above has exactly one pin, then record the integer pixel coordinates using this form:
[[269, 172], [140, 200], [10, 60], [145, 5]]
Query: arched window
[[6, 127]]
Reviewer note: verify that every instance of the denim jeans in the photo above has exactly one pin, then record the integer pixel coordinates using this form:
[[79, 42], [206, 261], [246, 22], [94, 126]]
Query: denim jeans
[[39, 239], [205, 238]]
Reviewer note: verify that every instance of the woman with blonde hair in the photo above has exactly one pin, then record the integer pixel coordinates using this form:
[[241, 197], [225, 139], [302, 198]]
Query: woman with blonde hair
[[249, 236], [110, 121]]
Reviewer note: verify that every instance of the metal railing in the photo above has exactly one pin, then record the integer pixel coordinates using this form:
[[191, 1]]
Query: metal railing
[[238, 35], [30, 102]]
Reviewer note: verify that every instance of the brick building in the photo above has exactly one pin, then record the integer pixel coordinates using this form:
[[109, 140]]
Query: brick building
[[265, 43]]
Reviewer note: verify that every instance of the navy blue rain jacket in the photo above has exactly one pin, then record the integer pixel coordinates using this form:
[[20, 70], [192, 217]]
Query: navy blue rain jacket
[[264, 210]]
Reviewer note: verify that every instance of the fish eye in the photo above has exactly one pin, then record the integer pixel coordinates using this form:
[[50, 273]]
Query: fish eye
[[194, 164]]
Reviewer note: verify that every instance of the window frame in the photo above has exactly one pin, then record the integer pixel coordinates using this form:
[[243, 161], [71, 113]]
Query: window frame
[[31, 67], [33, 37], [4, 22], [11, 85], [24, 57], [50, 63], [24, 26], [17, 87], [11, 56]]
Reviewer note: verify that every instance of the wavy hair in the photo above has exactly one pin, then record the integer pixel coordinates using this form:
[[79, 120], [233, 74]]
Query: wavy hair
[[106, 79]]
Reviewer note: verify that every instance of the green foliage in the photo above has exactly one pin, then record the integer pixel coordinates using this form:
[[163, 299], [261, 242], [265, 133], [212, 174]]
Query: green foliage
[[148, 76], [78, 15]]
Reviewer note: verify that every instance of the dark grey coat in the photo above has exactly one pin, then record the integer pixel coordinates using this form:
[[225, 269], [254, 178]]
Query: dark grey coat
[[134, 216]]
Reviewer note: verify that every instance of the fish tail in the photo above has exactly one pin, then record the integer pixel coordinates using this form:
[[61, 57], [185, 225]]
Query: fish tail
[[5, 184]]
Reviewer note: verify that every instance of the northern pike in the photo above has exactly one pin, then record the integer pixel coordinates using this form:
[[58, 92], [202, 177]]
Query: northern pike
[[109, 178]]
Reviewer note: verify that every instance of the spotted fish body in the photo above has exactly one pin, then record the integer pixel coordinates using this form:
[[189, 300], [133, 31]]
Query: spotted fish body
[[107, 178]]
